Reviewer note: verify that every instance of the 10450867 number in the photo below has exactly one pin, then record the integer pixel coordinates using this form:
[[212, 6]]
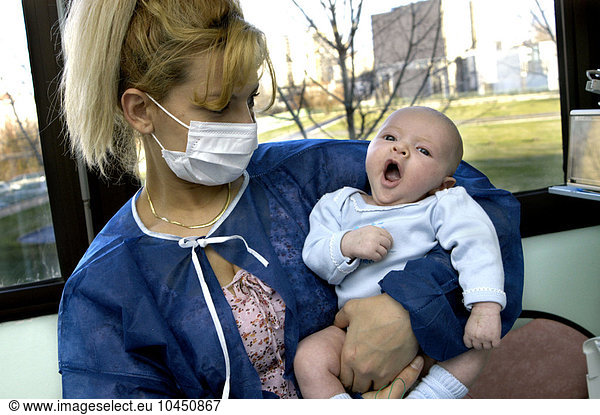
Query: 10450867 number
[[184, 405]]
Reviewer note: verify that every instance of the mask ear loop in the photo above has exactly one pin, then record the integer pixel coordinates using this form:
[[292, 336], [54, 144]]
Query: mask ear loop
[[156, 139], [167, 112]]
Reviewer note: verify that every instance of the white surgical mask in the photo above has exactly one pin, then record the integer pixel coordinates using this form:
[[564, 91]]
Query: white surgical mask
[[216, 152]]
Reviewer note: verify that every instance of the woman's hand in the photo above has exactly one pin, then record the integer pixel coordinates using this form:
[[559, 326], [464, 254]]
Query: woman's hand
[[397, 389], [379, 342]]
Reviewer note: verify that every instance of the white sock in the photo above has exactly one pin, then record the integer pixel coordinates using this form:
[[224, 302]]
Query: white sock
[[438, 384], [341, 396]]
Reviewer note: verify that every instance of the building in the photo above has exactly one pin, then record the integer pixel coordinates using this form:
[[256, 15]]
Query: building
[[409, 51], [453, 47]]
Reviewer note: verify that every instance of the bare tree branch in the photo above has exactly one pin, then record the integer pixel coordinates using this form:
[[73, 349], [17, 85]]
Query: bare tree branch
[[421, 34], [405, 62], [32, 144], [541, 21], [432, 61], [313, 25], [294, 113]]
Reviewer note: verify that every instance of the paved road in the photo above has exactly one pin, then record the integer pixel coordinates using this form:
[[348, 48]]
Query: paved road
[[483, 120], [298, 135], [512, 118]]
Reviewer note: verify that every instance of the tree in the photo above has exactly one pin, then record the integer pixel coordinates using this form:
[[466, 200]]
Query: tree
[[296, 100], [408, 47], [31, 142], [19, 145], [422, 32], [541, 23]]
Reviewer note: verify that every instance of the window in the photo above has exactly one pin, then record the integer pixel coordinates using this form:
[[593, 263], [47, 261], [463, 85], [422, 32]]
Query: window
[[500, 86], [27, 244], [36, 288], [38, 292]]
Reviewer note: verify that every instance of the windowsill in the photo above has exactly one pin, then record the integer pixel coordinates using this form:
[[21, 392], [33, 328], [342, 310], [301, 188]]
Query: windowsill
[[572, 191], [543, 212], [31, 300]]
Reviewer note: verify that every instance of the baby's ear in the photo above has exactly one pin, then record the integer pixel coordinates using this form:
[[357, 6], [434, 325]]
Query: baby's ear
[[447, 183]]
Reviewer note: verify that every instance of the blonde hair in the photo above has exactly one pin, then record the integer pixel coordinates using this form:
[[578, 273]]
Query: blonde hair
[[112, 45]]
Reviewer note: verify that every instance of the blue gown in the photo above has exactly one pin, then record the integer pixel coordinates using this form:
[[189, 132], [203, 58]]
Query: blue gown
[[133, 321]]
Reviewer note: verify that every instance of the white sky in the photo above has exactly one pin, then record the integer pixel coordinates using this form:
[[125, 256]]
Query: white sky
[[277, 18], [15, 74], [502, 20], [274, 17]]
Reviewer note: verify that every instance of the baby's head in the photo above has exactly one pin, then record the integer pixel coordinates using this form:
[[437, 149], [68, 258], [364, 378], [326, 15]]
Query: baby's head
[[414, 154]]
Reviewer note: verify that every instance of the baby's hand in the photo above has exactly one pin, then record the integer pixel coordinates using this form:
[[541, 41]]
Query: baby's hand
[[368, 242], [484, 326]]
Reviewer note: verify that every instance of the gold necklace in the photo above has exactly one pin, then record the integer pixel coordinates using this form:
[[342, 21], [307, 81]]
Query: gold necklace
[[204, 225]]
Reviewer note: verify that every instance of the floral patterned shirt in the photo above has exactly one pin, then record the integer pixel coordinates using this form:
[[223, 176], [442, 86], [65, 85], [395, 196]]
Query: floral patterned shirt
[[260, 314]]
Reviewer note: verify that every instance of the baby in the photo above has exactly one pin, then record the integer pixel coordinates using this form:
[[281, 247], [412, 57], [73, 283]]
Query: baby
[[409, 165]]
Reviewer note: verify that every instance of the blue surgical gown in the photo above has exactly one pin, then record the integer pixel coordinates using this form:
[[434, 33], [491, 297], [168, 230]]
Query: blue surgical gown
[[133, 321]]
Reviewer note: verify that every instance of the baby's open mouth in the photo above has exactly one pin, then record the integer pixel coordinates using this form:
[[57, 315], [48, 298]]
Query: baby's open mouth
[[392, 172]]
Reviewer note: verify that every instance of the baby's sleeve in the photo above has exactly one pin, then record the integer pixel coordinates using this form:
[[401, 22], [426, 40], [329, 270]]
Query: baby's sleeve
[[322, 248], [463, 227]]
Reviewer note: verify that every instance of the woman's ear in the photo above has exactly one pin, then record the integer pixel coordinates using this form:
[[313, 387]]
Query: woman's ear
[[135, 104]]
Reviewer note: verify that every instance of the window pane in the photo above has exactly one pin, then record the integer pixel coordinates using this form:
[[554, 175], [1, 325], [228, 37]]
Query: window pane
[[490, 66], [27, 246]]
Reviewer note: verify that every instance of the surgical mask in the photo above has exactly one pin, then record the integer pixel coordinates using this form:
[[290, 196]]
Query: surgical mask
[[216, 153]]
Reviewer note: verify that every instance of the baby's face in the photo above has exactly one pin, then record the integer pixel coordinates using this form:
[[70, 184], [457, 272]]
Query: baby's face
[[411, 157]]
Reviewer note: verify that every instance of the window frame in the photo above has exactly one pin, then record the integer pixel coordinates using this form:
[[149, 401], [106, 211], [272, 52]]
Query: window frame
[[62, 179], [576, 54], [539, 209], [39, 298]]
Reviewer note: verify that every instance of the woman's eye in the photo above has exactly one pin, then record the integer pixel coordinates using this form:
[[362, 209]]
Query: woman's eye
[[389, 138], [424, 151]]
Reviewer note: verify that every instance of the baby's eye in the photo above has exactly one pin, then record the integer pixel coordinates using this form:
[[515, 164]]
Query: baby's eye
[[389, 138], [424, 151]]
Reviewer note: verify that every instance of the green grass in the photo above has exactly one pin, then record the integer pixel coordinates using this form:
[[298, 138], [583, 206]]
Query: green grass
[[516, 156], [502, 107], [518, 153], [511, 140], [21, 263], [526, 173], [277, 127]]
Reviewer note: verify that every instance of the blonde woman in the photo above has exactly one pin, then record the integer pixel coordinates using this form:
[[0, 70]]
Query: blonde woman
[[196, 288]]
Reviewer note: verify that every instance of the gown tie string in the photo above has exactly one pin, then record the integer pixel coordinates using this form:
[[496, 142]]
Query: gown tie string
[[193, 242]]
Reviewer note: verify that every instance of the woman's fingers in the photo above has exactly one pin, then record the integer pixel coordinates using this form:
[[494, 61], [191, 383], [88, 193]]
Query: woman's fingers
[[397, 389]]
